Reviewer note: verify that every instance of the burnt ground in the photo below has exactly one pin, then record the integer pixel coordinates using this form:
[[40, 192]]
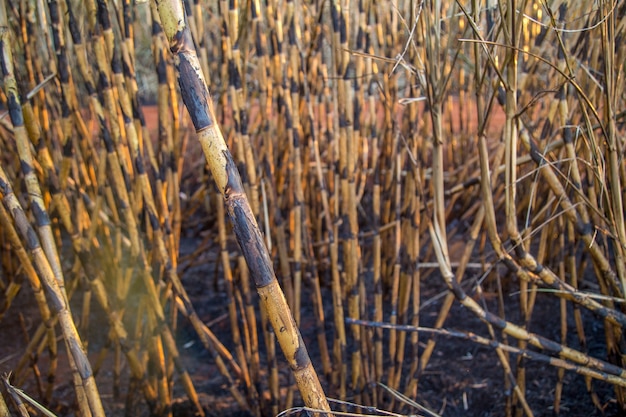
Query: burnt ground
[[462, 379], [466, 379]]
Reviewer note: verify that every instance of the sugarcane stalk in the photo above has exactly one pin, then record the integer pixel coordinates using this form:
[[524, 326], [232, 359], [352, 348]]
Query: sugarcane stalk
[[48, 260], [314, 145], [35, 283], [198, 101], [232, 309], [54, 290], [614, 146]]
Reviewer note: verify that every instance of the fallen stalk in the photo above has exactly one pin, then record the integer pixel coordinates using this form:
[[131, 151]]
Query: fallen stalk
[[473, 337]]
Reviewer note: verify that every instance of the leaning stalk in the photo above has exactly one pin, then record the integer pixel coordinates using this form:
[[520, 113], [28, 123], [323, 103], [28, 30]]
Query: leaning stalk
[[198, 101], [56, 294]]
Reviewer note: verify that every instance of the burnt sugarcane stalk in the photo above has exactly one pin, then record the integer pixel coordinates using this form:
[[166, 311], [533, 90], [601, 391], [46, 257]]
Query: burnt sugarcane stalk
[[42, 247], [198, 102], [56, 295]]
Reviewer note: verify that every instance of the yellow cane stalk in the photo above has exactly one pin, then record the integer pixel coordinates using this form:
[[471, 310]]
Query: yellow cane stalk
[[198, 102]]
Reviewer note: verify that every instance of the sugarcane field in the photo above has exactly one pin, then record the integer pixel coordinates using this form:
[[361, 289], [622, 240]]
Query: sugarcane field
[[255, 208]]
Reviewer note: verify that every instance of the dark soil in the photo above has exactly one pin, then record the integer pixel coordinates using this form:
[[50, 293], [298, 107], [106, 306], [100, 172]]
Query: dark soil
[[462, 379]]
